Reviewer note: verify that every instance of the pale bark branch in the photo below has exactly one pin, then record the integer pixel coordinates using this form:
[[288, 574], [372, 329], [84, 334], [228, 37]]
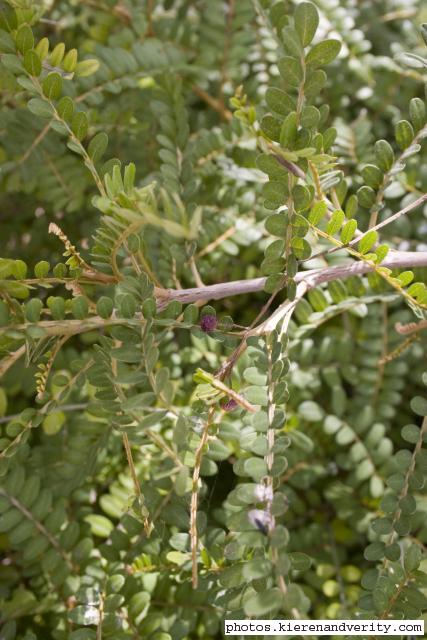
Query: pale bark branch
[[312, 277], [305, 280]]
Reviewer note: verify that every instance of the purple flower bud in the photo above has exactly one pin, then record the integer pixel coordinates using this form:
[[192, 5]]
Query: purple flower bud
[[260, 519], [230, 405], [208, 323]]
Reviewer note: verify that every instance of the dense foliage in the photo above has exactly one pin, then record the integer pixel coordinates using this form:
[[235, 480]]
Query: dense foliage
[[213, 313]]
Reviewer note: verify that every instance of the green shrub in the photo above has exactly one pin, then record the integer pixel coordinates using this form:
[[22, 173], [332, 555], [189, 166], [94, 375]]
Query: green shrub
[[213, 314]]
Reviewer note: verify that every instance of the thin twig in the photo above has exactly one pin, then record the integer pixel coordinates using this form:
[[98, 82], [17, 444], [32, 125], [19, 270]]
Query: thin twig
[[194, 539], [384, 223], [40, 526], [213, 102], [219, 240], [64, 407], [40, 137]]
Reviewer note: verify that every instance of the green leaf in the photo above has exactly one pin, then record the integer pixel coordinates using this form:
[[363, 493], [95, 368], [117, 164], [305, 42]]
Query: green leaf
[[57, 55], [138, 605], [10, 519], [255, 467], [265, 602], [53, 422], [270, 126], [404, 134], [33, 309], [86, 68], [181, 482], [12, 62], [273, 282], [40, 108], [149, 308], [300, 561], [52, 86], [301, 248], [392, 552], [351, 206], [417, 112], [70, 61], [98, 146], [32, 63], [256, 395], [366, 196], [412, 558], [42, 48], [317, 299], [191, 314], [317, 213], [315, 81], [3, 402], [310, 411], [310, 117], [411, 433], [257, 568], [80, 307], [291, 71], [382, 526], [277, 225], [300, 225], [24, 38], [419, 406], [65, 108], [56, 305], [335, 223], [323, 53], [374, 551], [405, 278], [177, 557], [292, 42], [19, 269], [384, 155], [100, 525], [381, 252], [7, 44], [348, 231], [80, 124], [306, 19], [254, 376], [368, 241], [129, 177], [275, 191], [104, 307], [302, 199], [279, 101], [126, 305], [288, 131], [372, 175]]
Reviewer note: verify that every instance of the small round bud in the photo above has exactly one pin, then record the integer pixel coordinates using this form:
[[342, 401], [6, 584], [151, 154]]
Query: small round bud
[[230, 405], [208, 323]]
